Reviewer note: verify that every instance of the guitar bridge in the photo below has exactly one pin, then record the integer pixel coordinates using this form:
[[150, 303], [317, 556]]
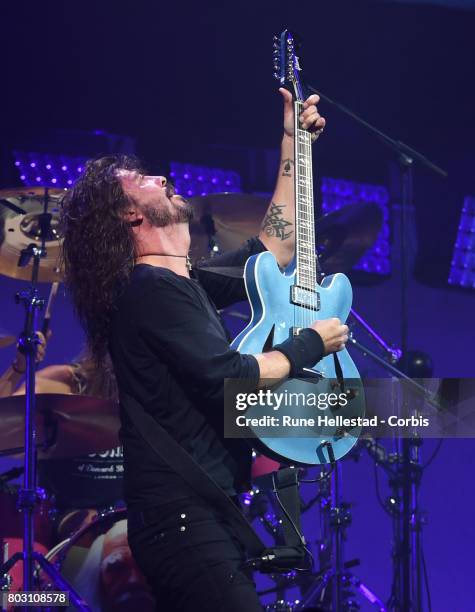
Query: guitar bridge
[[304, 297]]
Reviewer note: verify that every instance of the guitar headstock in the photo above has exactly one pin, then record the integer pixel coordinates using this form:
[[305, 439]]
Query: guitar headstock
[[287, 64]]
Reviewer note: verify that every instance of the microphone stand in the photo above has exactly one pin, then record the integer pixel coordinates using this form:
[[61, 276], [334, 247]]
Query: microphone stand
[[394, 353], [410, 596]]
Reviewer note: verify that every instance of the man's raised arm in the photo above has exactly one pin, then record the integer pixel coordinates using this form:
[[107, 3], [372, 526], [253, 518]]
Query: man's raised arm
[[278, 227]]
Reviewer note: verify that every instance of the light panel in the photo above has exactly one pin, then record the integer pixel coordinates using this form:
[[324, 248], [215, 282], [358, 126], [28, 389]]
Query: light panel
[[462, 269], [191, 180], [48, 169]]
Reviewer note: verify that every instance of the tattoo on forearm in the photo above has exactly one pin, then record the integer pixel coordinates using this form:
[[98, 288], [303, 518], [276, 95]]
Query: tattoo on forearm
[[274, 223], [287, 163]]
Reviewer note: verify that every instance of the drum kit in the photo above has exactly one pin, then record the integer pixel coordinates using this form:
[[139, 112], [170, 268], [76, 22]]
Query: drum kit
[[39, 426], [45, 426]]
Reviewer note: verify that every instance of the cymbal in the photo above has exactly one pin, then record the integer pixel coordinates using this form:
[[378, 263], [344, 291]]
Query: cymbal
[[342, 236], [27, 193], [236, 217], [6, 340], [78, 424], [18, 230]]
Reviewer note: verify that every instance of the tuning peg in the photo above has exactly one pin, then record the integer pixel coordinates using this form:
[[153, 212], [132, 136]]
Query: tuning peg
[[277, 76], [275, 38]]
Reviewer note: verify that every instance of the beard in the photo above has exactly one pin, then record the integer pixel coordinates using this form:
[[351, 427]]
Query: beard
[[180, 213]]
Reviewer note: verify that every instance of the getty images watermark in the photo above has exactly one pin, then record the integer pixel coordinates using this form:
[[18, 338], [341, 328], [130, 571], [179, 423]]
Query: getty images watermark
[[329, 403], [352, 407]]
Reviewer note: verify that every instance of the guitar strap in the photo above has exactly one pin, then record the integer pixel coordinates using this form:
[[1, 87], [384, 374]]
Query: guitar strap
[[182, 463], [339, 372], [229, 271]]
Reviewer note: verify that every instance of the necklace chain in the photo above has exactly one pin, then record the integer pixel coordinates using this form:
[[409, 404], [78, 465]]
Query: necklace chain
[[187, 257]]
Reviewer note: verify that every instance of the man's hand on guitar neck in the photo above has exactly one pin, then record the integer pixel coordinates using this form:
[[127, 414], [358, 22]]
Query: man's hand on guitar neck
[[310, 119], [278, 226]]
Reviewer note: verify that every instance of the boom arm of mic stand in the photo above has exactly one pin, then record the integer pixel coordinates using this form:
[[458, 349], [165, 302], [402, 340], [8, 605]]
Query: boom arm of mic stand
[[394, 353], [412, 383], [396, 145]]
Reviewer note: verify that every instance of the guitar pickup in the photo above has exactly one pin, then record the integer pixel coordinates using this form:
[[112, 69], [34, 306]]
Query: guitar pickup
[[304, 297]]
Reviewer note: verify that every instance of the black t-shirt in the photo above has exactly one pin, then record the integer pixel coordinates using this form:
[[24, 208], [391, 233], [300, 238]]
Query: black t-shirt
[[170, 353]]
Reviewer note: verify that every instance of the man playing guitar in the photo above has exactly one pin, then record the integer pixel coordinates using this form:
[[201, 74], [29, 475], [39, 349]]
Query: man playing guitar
[[126, 244]]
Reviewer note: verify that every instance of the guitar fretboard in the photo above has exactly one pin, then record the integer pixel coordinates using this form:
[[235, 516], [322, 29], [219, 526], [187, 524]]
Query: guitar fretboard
[[306, 270]]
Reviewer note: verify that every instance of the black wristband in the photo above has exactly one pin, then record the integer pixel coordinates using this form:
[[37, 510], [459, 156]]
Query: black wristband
[[303, 351]]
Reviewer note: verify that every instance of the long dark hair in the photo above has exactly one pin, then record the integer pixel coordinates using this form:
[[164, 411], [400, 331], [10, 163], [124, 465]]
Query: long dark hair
[[98, 246]]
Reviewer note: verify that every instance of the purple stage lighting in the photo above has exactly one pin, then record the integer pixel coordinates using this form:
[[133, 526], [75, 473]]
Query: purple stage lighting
[[193, 180], [462, 269], [56, 170], [338, 193]]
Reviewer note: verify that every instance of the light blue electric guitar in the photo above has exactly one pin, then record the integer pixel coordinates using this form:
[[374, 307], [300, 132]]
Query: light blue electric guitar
[[284, 303]]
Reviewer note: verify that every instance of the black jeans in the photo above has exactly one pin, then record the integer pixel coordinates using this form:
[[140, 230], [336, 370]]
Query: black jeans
[[191, 559]]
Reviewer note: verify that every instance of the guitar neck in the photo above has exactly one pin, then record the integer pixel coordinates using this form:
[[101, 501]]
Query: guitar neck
[[306, 269]]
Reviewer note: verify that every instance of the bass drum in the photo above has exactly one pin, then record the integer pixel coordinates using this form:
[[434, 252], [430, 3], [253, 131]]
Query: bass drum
[[98, 564]]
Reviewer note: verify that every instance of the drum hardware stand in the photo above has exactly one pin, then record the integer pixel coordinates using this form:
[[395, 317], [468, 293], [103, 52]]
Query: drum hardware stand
[[28, 495], [404, 485], [336, 518], [394, 465], [405, 472]]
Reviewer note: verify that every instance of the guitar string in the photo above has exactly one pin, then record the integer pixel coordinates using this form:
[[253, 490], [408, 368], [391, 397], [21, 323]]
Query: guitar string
[[306, 236], [302, 181], [311, 220]]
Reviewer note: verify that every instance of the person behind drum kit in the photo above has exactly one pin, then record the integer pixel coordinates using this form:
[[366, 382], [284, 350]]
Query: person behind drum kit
[[108, 577], [80, 486], [84, 487], [14, 374], [126, 241]]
